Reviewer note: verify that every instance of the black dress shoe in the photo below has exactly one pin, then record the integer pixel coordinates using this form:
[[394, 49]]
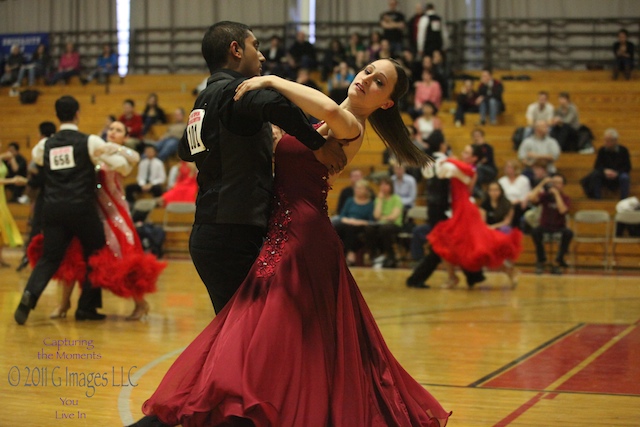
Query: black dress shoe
[[89, 315], [149, 421], [417, 284], [27, 302]]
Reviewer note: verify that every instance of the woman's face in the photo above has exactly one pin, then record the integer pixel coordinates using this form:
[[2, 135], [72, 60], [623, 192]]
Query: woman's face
[[385, 188], [372, 87], [467, 154], [361, 191], [509, 170], [117, 132], [494, 191], [427, 110], [152, 100]]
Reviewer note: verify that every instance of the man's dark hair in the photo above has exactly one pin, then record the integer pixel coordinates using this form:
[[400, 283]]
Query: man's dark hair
[[66, 108], [130, 102], [564, 95], [564, 180], [14, 145], [622, 30], [477, 152], [47, 129], [218, 38]]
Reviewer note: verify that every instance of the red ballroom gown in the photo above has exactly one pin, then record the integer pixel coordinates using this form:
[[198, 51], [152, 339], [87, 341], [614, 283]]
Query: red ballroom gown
[[297, 344], [465, 239], [121, 266]]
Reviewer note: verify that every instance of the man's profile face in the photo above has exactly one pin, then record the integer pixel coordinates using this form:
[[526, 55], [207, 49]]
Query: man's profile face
[[252, 59]]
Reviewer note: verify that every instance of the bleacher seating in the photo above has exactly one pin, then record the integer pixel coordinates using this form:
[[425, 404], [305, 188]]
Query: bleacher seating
[[602, 103]]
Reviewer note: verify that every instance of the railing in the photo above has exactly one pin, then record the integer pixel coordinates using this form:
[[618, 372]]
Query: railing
[[502, 43], [537, 43]]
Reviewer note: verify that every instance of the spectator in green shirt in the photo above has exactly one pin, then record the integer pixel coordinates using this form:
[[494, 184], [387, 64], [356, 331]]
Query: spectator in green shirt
[[381, 236]]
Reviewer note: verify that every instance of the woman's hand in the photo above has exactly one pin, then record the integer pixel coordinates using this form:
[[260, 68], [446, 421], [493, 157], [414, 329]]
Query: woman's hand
[[254, 83]]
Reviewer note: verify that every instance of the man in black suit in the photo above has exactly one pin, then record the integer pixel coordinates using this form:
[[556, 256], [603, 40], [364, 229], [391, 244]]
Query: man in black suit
[[232, 145], [68, 158]]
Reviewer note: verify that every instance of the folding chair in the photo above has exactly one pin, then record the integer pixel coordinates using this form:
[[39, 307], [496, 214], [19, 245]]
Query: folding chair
[[628, 218], [592, 226]]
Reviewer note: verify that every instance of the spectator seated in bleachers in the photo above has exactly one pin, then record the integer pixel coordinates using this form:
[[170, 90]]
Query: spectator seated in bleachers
[[340, 81], [630, 204], [404, 186], [167, 145], [555, 205], [39, 65], [541, 110], [151, 176], [565, 123], [356, 52], [303, 52], [355, 215], [133, 122], [427, 122], [182, 185], [106, 65], [516, 189], [68, 66], [442, 73], [152, 114], [466, 102], [486, 169], [332, 57], [611, 169], [381, 236], [489, 99], [426, 89], [16, 167], [274, 56], [623, 51], [539, 147], [12, 65]]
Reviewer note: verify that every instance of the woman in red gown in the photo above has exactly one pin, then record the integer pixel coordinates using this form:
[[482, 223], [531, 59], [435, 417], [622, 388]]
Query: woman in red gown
[[465, 239], [297, 344], [121, 266]]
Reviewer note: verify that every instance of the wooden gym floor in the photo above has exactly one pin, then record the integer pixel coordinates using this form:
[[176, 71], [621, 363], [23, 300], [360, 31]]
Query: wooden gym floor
[[558, 350]]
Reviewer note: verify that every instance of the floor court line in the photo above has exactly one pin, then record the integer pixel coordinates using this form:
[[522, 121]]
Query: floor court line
[[123, 398]]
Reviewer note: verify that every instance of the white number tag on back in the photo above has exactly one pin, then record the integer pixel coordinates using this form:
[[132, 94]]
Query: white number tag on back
[[194, 132], [62, 158]]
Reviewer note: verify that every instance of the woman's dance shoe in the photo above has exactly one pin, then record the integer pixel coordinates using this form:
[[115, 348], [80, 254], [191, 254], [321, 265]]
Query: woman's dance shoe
[[140, 311], [60, 312]]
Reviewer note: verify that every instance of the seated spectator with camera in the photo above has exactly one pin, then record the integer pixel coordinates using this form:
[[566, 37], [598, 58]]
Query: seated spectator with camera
[[554, 205]]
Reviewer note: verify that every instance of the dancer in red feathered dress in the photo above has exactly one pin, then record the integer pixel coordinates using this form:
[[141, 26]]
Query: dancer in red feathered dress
[[121, 266], [465, 239]]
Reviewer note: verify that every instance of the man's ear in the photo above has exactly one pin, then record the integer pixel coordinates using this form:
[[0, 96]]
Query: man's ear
[[387, 104], [235, 50]]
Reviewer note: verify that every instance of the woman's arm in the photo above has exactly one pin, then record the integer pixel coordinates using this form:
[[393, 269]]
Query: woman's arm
[[342, 123], [505, 221]]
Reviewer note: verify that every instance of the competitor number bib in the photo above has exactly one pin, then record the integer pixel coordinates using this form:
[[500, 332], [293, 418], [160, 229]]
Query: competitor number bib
[[62, 158], [194, 131]]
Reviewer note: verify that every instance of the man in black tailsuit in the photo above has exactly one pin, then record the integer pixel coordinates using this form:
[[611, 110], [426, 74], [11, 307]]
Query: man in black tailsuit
[[69, 210], [438, 192], [232, 145]]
